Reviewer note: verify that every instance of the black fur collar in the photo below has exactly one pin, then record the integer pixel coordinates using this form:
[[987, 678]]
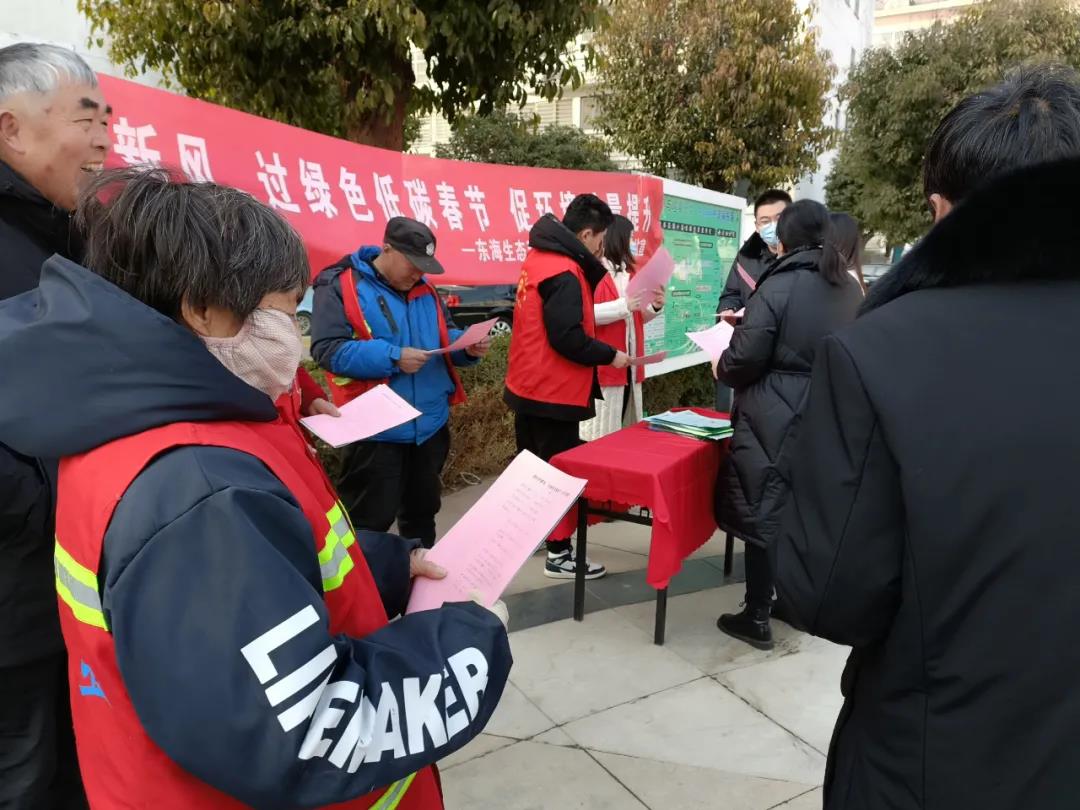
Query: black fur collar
[[988, 238]]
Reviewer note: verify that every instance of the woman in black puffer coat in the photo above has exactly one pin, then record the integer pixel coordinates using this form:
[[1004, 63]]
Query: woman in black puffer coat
[[803, 296]]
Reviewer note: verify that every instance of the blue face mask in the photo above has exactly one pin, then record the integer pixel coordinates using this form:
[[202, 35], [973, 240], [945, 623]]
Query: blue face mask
[[768, 233]]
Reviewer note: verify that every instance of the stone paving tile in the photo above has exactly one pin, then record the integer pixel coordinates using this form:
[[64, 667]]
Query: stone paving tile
[[799, 692], [516, 716], [704, 725], [667, 786], [570, 669], [692, 632], [534, 776]]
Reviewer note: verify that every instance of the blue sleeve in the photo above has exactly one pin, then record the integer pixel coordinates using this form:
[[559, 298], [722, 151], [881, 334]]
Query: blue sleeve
[[332, 343], [366, 359], [387, 556], [212, 590]]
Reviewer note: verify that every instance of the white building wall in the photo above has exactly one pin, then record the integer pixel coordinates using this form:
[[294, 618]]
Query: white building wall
[[846, 29], [57, 22]]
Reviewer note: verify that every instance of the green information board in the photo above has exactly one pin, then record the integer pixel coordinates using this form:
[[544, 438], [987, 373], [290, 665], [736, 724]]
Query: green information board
[[702, 236]]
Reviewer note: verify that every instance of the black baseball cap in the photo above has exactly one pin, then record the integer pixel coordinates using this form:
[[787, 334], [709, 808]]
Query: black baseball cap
[[416, 241]]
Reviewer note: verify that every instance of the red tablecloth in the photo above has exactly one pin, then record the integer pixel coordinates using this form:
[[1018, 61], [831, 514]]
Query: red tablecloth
[[671, 475]]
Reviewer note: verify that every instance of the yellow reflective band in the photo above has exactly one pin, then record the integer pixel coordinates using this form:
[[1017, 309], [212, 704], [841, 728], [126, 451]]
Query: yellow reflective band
[[334, 560], [342, 380], [394, 794], [77, 586]]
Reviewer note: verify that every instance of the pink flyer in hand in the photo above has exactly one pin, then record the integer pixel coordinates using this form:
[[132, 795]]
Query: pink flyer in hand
[[487, 547], [473, 335], [649, 279], [648, 359], [369, 414], [714, 340]]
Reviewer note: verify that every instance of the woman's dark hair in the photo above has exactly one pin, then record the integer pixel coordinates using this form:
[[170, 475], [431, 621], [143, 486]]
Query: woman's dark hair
[[587, 212], [617, 244], [165, 240], [805, 224], [1031, 117], [847, 236]]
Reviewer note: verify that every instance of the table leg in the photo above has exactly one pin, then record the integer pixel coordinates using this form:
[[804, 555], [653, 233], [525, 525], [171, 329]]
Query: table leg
[[582, 542], [661, 616], [729, 552]]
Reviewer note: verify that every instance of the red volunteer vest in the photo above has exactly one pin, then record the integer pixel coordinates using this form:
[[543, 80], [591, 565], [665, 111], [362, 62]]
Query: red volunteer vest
[[122, 768], [536, 371], [346, 389], [614, 335]]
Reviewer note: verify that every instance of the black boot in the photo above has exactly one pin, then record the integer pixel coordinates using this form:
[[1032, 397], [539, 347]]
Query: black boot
[[751, 626]]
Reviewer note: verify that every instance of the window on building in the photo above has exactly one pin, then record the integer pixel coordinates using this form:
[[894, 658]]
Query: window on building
[[589, 114]]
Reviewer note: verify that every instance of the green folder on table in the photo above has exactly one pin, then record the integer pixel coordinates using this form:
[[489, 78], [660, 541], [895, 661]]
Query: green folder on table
[[691, 424]]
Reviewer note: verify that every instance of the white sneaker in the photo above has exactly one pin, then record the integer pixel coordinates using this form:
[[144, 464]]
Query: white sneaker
[[564, 566]]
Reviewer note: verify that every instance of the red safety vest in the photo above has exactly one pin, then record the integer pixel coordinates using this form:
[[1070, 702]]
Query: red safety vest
[[614, 334], [536, 371], [346, 389], [121, 766]]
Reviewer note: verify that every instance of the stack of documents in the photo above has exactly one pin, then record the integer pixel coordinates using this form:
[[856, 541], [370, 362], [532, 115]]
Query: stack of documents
[[694, 425]]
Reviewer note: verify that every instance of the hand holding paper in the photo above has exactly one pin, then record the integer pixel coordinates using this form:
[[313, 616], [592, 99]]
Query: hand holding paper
[[370, 413], [486, 548], [646, 282], [714, 340], [473, 335]]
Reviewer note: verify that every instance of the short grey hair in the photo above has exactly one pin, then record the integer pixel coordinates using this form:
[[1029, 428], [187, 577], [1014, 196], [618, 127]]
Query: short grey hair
[[32, 67]]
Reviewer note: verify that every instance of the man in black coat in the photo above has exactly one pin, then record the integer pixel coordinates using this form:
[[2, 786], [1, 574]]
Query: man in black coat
[[753, 259], [53, 133], [933, 522]]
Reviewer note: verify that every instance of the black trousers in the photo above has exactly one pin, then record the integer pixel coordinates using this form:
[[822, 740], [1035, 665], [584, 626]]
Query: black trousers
[[545, 438], [381, 482], [759, 576], [724, 397], [38, 766]]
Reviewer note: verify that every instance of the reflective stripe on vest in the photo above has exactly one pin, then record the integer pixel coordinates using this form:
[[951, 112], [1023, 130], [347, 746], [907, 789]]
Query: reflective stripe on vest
[[78, 587], [334, 560], [394, 794]]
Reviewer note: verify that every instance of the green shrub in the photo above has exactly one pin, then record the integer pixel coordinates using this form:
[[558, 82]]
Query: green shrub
[[482, 429], [688, 387]]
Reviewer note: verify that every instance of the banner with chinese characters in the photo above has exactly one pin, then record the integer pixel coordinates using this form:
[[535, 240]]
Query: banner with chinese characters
[[339, 194]]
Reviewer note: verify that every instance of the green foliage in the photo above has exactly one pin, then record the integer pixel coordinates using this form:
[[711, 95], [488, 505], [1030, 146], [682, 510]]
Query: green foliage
[[896, 99], [688, 387], [720, 91], [343, 67], [504, 137]]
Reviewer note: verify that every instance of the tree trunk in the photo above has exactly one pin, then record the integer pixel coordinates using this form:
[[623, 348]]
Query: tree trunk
[[382, 127]]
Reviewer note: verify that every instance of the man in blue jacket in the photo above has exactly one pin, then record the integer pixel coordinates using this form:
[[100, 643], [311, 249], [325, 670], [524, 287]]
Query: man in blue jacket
[[382, 333]]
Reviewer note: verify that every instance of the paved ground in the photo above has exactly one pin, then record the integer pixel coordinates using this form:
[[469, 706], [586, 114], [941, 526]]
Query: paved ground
[[597, 717]]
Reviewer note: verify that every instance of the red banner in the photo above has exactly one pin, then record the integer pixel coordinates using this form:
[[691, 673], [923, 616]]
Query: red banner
[[339, 194]]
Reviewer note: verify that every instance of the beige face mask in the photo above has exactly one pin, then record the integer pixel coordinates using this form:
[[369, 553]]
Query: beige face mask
[[265, 353]]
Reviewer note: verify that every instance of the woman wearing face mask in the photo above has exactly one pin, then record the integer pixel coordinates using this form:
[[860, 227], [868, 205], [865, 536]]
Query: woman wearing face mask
[[227, 630], [620, 324], [803, 296]]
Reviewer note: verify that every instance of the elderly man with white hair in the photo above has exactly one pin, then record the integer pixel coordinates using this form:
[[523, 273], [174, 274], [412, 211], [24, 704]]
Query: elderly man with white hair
[[53, 137]]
